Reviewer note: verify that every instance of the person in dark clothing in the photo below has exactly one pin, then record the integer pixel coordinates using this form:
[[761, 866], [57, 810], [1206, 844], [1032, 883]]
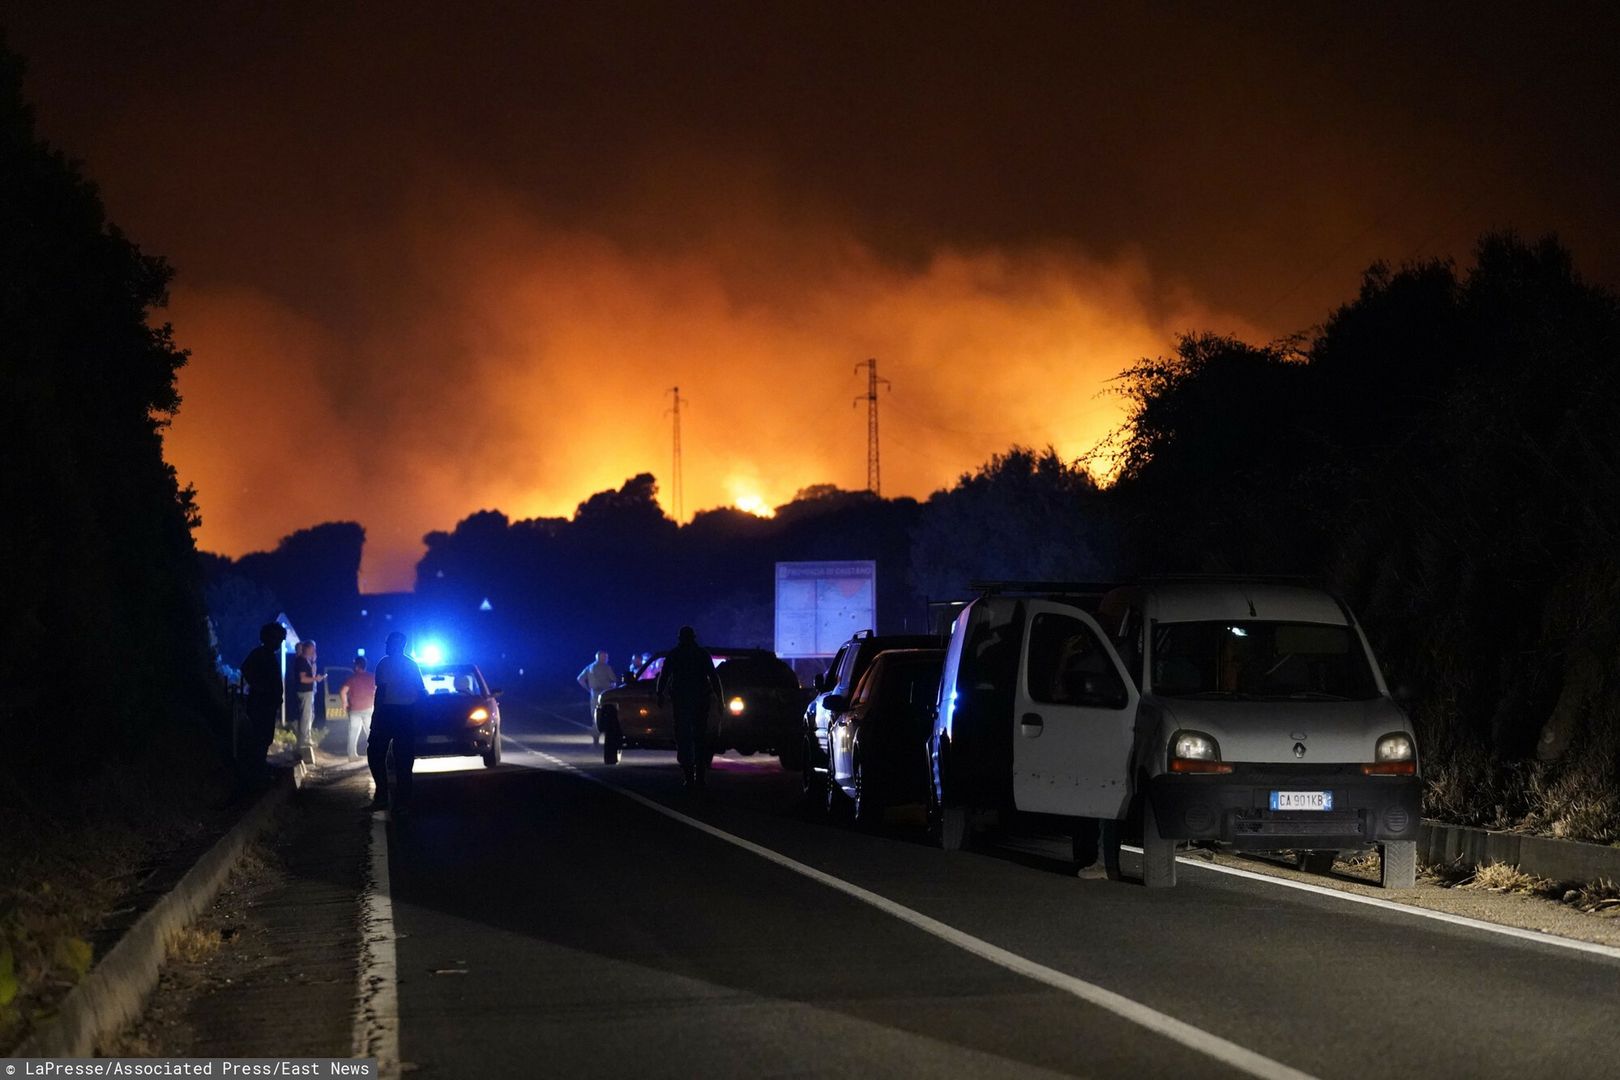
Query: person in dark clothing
[[689, 682], [393, 724], [261, 671]]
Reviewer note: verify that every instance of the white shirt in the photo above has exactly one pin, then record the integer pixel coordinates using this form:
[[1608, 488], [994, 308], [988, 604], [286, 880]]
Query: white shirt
[[598, 675]]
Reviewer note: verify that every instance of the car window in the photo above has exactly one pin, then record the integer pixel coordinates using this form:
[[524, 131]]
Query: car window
[[650, 672], [1258, 659], [831, 675], [911, 685], [1068, 664], [765, 672]]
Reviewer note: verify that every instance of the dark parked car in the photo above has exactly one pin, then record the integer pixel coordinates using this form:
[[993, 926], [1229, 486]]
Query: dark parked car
[[840, 679], [459, 715], [758, 710], [879, 737]]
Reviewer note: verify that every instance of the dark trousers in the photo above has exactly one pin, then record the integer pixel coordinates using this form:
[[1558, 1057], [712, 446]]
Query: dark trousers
[[260, 733], [391, 728], [692, 738]]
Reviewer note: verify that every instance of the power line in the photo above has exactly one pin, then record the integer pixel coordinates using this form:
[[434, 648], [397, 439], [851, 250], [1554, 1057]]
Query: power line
[[874, 477], [677, 495]]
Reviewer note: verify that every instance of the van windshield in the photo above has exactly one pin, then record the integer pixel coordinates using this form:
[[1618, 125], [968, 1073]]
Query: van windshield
[[1260, 660]]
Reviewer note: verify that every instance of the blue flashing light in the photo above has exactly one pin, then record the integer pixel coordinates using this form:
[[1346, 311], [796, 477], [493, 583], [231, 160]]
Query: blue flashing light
[[430, 652]]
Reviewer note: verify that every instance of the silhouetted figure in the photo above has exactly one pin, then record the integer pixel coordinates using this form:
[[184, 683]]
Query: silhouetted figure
[[301, 684], [261, 671], [595, 678], [689, 682], [393, 724]]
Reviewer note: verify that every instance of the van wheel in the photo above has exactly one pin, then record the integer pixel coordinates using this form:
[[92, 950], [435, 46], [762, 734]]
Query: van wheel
[[1316, 862], [1399, 861], [1158, 853]]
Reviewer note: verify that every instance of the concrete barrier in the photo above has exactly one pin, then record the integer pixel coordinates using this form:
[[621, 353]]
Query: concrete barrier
[[1542, 856], [115, 990]]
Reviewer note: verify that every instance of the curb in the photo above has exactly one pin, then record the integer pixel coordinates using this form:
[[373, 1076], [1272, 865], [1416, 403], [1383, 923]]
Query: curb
[[1542, 856], [115, 990]]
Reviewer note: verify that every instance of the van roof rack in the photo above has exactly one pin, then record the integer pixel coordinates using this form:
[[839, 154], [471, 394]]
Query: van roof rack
[[1044, 588]]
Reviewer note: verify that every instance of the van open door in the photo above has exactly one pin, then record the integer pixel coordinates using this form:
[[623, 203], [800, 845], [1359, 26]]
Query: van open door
[[1075, 717]]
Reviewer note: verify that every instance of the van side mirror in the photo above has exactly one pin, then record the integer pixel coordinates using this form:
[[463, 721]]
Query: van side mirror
[[818, 681], [836, 703], [495, 691]]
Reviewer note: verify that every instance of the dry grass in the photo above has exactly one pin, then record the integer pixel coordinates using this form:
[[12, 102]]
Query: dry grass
[[193, 945]]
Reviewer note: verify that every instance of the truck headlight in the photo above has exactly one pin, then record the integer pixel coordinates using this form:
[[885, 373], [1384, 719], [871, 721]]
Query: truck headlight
[[1393, 755], [1195, 752], [1396, 746]]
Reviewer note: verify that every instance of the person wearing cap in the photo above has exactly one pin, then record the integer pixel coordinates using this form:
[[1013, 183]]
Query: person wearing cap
[[689, 682], [399, 687]]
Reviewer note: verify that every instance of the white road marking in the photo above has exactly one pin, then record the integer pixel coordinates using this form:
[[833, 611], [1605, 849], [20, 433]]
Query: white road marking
[[1194, 1038], [1537, 936], [376, 1017]]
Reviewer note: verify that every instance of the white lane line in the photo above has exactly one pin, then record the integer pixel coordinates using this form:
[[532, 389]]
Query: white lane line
[[376, 1016], [559, 716], [1537, 936], [1196, 1039]]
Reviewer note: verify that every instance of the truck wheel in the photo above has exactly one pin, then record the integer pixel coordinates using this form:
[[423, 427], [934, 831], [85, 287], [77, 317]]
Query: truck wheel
[[1399, 861], [1316, 862], [1158, 853]]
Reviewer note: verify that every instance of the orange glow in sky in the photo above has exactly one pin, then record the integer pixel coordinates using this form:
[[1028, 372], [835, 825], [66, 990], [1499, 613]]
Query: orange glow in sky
[[523, 368]]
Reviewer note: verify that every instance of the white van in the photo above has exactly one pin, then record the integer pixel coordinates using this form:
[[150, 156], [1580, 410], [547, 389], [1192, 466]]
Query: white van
[[1244, 711]]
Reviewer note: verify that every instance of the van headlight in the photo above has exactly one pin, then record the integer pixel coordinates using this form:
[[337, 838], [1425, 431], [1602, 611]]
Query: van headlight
[[1393, 755], [1195, 752], [736, 706]]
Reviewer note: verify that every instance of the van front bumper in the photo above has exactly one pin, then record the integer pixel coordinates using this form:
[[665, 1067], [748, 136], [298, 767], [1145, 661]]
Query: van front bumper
[[1235, 807]]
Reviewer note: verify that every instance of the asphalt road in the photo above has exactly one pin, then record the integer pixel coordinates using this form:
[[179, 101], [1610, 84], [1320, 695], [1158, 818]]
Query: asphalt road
[[549, 924]]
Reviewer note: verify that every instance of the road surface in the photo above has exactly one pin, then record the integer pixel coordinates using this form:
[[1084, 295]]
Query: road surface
[[551, 924]]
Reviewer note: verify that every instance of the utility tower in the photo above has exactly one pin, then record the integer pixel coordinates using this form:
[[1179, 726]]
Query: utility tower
[[675, 492], [874, 480]]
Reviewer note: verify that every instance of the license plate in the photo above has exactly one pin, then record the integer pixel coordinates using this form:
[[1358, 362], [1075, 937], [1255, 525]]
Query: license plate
[[1302, 800]]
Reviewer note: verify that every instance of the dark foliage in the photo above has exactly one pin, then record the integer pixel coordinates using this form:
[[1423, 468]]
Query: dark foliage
[[106, 656], [1447, 451]]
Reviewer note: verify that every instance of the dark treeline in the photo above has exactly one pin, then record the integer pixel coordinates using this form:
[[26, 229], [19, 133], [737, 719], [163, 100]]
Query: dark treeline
[[106, 658], [1444, 450]]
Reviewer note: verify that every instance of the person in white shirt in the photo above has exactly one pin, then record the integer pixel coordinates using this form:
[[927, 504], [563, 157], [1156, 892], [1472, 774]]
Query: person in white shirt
[[595, 678], [399, 687]]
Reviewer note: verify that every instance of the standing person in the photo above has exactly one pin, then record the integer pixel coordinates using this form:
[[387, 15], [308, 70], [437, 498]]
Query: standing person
[[399, 687], [261, 671], [359, 695], [595, 678], [303, 679], [689, 681]]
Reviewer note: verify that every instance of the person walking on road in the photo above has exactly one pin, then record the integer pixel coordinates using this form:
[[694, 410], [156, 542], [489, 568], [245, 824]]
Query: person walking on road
[[399, 687], [359, 695], [596, 677], [689, 682], [261, 671]]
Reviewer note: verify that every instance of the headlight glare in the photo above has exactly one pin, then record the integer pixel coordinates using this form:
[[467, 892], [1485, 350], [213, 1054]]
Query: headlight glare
[[478, 715], [1396, 746], [1195, 746], [736, 706]]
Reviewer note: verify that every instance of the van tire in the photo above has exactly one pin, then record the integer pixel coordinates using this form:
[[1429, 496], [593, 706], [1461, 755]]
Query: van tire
[[953, 828], [1158, 853], [1398, 859]]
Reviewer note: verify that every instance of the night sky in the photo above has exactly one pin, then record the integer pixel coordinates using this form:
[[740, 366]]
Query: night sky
[[441, 257]]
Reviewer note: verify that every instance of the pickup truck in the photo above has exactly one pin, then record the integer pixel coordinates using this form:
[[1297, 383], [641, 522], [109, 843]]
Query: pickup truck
[[1248, 712]]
